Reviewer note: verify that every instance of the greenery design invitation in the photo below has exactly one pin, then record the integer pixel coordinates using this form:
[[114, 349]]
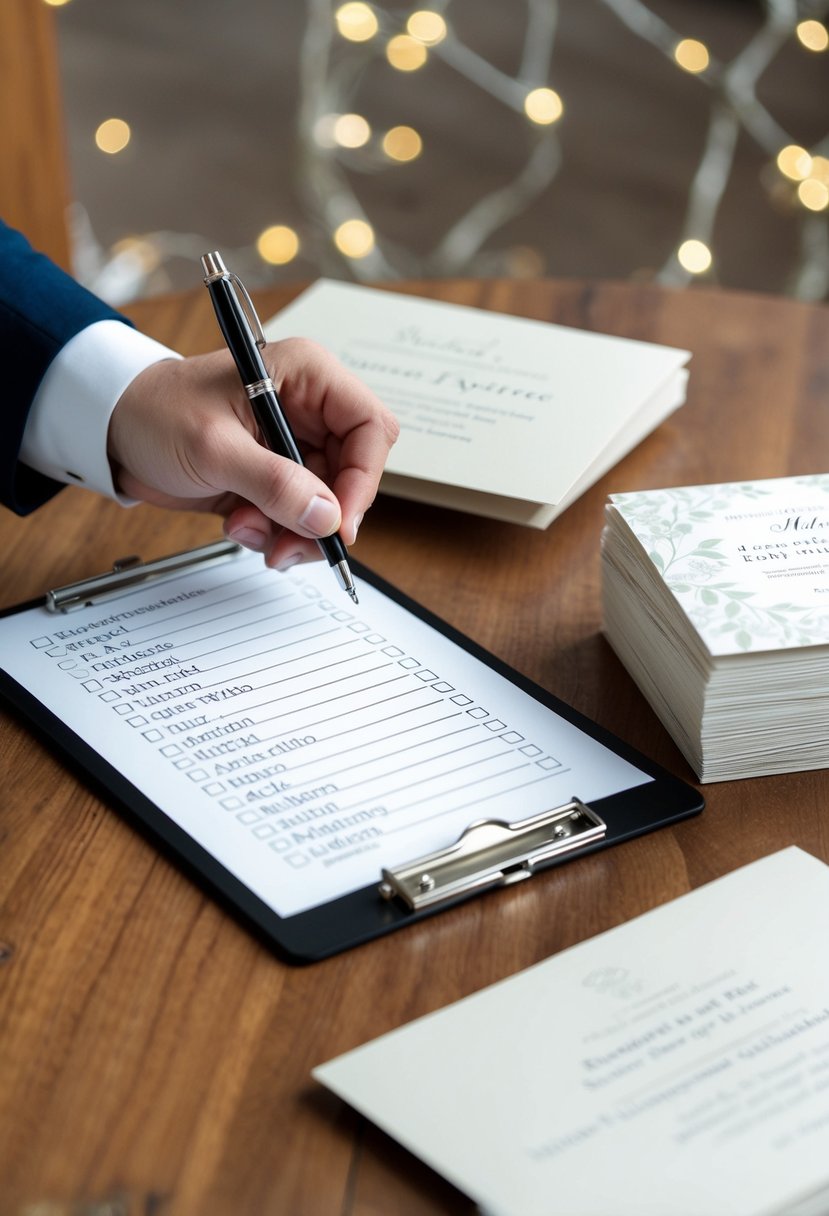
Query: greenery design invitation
[[747, 562]]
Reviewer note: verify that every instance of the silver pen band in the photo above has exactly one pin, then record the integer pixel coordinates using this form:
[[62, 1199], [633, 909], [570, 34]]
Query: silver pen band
[[260, 386]]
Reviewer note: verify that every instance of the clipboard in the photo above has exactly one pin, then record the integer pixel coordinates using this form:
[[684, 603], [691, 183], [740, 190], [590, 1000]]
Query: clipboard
[[488, 853]]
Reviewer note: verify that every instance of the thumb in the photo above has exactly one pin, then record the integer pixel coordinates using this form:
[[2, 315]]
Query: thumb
[[286, 492]]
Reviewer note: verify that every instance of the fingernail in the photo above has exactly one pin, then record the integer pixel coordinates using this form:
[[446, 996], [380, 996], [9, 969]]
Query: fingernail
[[251, 538], [321, 516], [358, 519], [292, 560]]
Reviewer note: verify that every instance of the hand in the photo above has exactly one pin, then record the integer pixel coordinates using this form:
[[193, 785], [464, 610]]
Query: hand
[[183, 436]]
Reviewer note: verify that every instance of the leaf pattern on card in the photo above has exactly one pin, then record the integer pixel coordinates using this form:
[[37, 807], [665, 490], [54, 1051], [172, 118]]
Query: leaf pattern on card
[[681, 530]]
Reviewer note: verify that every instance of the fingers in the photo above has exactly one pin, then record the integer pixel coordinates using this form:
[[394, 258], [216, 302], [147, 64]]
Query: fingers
[[332, 408], [183, 436]]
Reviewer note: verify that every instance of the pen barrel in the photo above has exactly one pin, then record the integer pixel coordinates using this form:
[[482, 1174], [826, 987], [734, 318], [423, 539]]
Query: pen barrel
[[275, 430], [236, 331]]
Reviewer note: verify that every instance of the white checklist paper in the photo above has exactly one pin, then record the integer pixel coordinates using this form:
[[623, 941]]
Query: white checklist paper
[[304, 741]]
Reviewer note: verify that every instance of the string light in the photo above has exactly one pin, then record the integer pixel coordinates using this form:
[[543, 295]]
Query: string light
[[543, 106], [694, 256], [277, 245], [113, 135], [427, 27], [692, 55], [56, 3], [813, 35], [406, 53], [354, 238], [402, 144], [736, 112], [356, 22]]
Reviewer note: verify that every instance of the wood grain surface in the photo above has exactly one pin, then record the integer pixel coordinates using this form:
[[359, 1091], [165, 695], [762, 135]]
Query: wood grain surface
[[154, 1057]]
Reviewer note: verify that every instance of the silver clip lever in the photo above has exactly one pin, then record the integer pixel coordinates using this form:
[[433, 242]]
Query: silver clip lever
[[493, 853]]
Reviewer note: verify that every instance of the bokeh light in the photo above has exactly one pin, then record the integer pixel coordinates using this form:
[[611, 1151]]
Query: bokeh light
[[356, 22], [354, 238], [794, 162], [406, 53], [814, 195], [402, 143], [543, 106], [113, 135], [692, 55], [813, 35], [694, 256], [427, 27], [351, 130], [277, 245]]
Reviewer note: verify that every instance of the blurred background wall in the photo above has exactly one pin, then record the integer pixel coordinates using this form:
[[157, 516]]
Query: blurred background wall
[[678, 140]]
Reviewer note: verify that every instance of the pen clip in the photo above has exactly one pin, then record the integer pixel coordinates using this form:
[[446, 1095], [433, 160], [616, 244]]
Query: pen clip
[[249, 310], [214, 268]]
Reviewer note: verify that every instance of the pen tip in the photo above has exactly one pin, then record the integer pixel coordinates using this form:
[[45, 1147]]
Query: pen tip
[[353, 595]]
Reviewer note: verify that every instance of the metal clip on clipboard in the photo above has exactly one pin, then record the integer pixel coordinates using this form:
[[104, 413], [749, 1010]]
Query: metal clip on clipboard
[[130, 572], [492, 853]]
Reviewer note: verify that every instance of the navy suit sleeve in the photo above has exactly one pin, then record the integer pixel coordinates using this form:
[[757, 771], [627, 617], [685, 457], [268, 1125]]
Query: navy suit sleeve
[[41, 308]]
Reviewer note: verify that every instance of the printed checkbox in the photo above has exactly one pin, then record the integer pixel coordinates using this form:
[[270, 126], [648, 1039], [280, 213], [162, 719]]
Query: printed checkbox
[[394, 652], [77, 675], [40, 643], [494, 724], [172, 749], [358, 627], [548, 763], [374, 638], [512, 736], [232, 804], [279, 846], [123, 709], [312, 593], [477, 712], [185, 762], [109, 696], [342, 615], [57, 652], [67, 664], [297, 860], [92, 685], [137, 720], [426, 676], [326, 605], [442, 686], [409, 663], [264, 831], [214, 789], [530, 750], [198, 774], [247, 817], [152, 736], [461, 699]]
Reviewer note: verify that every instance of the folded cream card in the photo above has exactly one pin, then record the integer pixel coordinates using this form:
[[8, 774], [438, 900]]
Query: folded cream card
[[502, 416], [677, 1065]]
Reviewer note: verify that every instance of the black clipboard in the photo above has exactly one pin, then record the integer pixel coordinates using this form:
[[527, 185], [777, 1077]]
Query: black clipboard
[[488, 855]]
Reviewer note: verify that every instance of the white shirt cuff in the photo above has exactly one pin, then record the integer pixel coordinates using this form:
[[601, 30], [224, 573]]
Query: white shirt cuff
[[66, 431]]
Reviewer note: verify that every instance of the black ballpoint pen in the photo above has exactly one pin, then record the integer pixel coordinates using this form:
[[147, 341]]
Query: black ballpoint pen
[[243, 334]]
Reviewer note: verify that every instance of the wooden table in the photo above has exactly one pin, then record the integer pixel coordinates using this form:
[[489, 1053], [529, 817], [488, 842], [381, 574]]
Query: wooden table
[[154, 1057]]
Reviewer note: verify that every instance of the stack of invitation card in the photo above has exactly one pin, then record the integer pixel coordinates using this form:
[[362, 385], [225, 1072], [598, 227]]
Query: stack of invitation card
[[716, 599]]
